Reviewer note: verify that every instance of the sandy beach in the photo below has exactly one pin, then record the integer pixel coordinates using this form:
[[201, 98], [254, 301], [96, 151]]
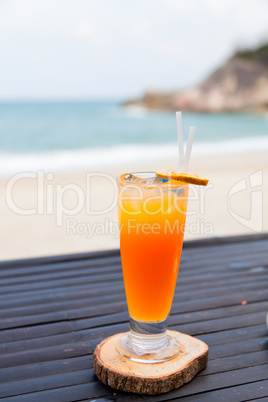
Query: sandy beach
[[49, 213]]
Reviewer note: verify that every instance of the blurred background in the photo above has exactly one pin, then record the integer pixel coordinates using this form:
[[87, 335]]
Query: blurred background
[[92, 86]]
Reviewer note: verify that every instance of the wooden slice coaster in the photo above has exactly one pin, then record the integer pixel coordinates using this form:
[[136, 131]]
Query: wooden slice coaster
[[143, 378]]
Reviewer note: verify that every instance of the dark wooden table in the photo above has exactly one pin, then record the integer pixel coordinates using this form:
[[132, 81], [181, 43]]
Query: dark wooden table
[[54, 311]]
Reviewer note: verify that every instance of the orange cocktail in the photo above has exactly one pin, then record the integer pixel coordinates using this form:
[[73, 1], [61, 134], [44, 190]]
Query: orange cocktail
[[152, 220], [151, 213]]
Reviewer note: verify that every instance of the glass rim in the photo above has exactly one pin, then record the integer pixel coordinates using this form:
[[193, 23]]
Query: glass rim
[[166, 186]]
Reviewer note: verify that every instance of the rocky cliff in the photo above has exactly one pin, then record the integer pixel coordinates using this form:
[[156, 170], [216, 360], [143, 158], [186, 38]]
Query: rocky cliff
[[240, 84]]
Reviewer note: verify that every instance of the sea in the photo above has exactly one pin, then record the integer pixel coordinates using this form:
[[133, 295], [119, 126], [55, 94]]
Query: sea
[[93, 135]]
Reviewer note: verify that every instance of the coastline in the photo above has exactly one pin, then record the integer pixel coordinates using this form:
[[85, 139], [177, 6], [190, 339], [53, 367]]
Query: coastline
[[112, 158], [44, 231]]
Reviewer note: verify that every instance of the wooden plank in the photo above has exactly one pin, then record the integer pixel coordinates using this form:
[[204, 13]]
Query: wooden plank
[[103, 261], [221, 324], [47, 382], [27, 262], [61, 315], [188, 244], [66, 394], [229, 251], [217, 302], [36, 277], [58, 295], [235, 362], [92, 265], [48, 295], [50, 298], [254, 255], [37, 343], [225, 267], [85, 363], [199, 385], [202, 294], [61, 267], [66, 306], [42, 331], [233, 394], [218, 381], [45, 308], [60, 283], [175, 319], [209, 267], [238, 348], [182, 300], [122, 307], [213, 263], [194, 328], [115, 305], [64, 288], [238, 393], [184, 277], [233, 258], [228, 254], [197, 295], [215, 338], [84, 336], [215, 241], [36, 331], [28, 371], [223, 312], [223, 261], [233, 335], [232, 241], [259, 295], [47, 354]]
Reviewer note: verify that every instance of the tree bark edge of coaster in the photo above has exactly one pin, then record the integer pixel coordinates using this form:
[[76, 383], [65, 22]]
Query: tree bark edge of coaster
[[145, 378]]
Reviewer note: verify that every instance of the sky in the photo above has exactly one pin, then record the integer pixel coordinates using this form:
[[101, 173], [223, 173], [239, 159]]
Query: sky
[[117, 49]]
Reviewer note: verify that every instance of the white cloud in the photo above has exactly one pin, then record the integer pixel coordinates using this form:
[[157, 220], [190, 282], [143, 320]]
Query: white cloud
[[101, 48], [84, 30], [144, 28]]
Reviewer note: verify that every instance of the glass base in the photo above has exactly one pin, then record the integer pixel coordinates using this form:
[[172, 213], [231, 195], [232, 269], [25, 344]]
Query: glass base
[[147, 343]]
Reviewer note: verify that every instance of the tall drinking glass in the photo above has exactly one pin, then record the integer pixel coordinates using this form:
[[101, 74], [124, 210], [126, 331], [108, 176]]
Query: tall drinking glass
[[151, 215]]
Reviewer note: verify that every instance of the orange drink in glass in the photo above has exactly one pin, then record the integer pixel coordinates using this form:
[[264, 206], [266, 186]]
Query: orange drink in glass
[[151, 215]]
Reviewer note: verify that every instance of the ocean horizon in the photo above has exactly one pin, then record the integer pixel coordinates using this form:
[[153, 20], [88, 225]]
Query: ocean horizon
[[93, 134]]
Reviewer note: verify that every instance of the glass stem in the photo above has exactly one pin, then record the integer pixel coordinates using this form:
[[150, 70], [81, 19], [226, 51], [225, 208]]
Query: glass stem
[[148, 336]]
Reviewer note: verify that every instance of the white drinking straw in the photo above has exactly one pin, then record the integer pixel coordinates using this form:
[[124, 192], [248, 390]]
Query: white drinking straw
[[180, 140], [188, 148]]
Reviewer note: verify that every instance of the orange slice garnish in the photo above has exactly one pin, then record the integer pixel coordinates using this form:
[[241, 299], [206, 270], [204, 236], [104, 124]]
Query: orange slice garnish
[[184, 177]]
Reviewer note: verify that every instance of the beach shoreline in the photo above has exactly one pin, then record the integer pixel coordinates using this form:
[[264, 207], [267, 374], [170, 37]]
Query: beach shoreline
[[41, 214], [117, 156]]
